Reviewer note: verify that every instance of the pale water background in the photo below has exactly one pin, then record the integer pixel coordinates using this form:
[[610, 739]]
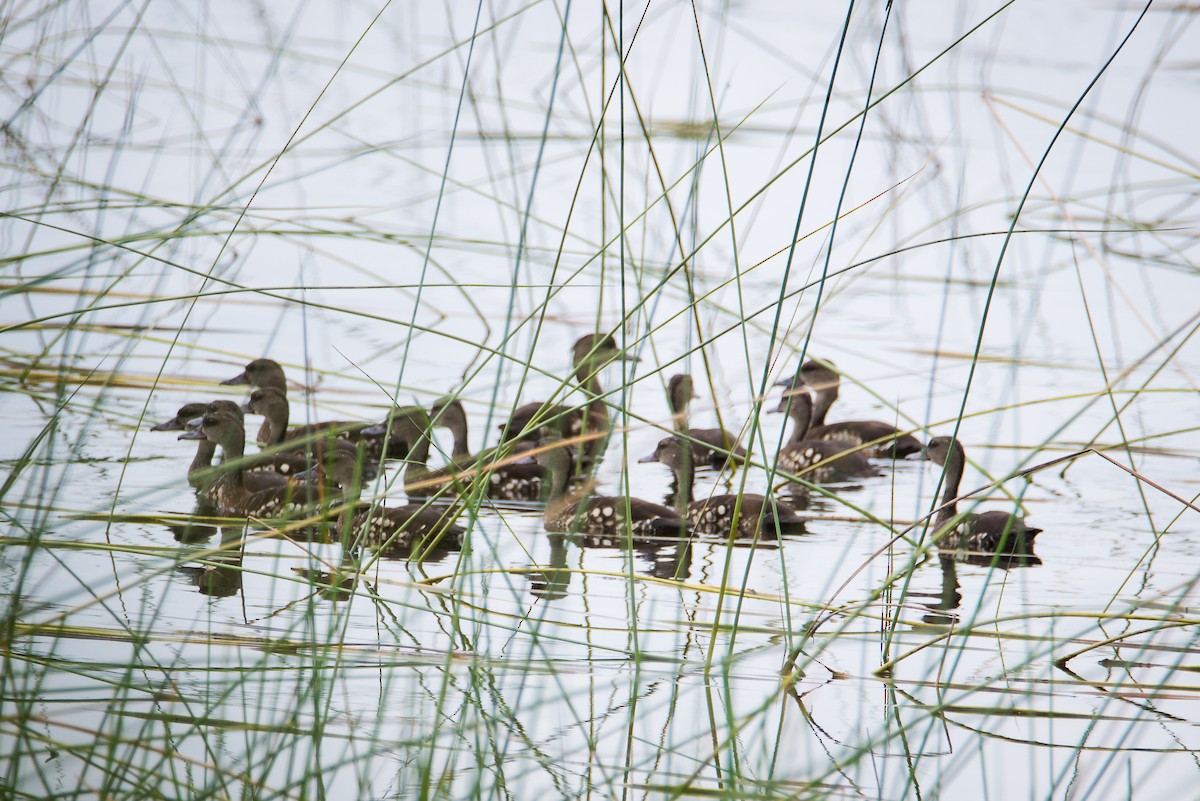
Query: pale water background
[[317, 175]]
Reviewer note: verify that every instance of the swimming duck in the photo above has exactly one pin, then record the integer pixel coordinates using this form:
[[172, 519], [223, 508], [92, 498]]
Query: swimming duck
[[714, 446], [507, 480], [606, 516], [988, 532], [715, 515], [267, 375], [825, 382], [396, 529], [232, 493], [833, 463], [590, 355], [200, 472]]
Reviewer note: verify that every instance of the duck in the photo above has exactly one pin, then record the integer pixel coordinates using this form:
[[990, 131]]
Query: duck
[[603, 516], [200, 472], [394, 529], [233, 492], [260, 373], [507, 479], [590, 354], [711, 446], [989, 532], [274, 408], [714, 515], [817, 460], [883, 440], [270, 393]]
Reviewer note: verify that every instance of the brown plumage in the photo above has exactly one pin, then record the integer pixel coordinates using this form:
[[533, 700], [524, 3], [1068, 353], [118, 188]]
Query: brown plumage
[[231, 493], [818, 461], [888, 442], [590, 355], [301, 446], [609, 516], [267, 375], [712, 446], [260, 373], [506, 479], [395, 529], [715, 515], [988, 532], [257, 470]]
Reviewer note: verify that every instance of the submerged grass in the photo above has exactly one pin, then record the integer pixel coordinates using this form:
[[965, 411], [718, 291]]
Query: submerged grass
[[403, 202]]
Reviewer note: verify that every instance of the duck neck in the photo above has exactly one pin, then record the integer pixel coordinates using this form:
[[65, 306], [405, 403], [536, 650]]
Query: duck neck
[[685, 479], [954, 472], [275, 422], [821, 403], [587, 374], [455, 419], [201, 462], [679, 410], [800, 410], [417, 458], [233, 447]]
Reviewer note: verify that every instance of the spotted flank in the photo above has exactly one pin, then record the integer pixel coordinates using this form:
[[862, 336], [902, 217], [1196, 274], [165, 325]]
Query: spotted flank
[[990, 532], [823, 462], [614, 516], [236, 492], [398, 530], [755, 516], [743, 516]]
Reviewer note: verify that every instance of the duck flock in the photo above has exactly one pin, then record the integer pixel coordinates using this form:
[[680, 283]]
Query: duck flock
[[546, 451]]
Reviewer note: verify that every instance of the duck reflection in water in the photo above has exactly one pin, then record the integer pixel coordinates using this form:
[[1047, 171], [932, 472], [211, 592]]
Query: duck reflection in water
[[665, 557], [194, 532], [550, 581], [220, 573], [337, 584], [942, 612]]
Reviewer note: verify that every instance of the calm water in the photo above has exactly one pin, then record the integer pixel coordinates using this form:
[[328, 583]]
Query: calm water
[[388, 253]]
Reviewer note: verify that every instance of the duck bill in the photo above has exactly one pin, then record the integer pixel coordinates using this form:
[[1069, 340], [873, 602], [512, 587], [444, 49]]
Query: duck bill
[[377, 430], [174, 424], [246, 407], [920, 456], [239, 379], [651, 458], [194, 433]]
